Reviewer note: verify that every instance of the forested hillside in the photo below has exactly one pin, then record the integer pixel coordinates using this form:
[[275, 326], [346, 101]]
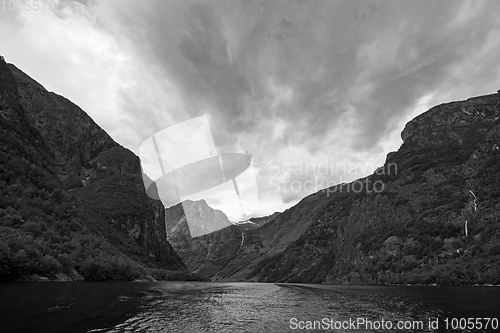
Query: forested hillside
[[72, 203], [430, 214]]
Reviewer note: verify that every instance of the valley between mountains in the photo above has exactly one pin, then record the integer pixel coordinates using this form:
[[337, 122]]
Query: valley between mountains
[[436, 220], [73, 207]]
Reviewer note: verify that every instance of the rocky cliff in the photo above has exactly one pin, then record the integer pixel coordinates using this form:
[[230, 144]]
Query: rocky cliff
[[208, 254], [73, 198], [430, 214]]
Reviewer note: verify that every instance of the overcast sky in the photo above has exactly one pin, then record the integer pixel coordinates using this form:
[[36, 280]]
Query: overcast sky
[[297, 85]]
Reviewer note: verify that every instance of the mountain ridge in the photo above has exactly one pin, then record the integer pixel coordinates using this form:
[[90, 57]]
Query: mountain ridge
[[411, 231], [74, 205]]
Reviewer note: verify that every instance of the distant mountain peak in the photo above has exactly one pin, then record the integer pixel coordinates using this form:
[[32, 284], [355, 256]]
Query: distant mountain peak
[[422, 226]]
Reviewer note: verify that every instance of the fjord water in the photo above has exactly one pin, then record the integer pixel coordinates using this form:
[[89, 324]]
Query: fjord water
[[228, 307]]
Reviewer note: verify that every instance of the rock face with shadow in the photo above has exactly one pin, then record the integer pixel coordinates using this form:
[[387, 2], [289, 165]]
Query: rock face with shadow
[[430, 214], [208, 254], [85, 191]]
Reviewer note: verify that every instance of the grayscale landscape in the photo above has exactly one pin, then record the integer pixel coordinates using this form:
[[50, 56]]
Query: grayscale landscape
[[249, 166]]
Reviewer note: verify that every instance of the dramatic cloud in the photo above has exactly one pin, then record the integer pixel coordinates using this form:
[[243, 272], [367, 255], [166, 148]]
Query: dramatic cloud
[[287, 82]]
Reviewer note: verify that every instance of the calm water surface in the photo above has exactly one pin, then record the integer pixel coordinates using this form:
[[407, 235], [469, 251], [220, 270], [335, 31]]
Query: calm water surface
[[232, 307]]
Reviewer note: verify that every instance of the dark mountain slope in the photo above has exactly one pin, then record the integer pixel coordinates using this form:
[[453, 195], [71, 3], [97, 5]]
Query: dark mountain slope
[[73, 200], [405, 223], [208, 254], [414, 230], [73, 137]]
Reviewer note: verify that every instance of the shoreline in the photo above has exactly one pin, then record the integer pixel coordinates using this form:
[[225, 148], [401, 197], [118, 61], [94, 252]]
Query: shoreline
[[62, 277]]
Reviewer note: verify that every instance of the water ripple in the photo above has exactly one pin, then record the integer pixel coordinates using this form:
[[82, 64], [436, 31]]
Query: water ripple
[[247, 307]]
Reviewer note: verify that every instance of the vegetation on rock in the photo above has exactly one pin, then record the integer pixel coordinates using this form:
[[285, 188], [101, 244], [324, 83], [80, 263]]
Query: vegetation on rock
[[436, 219], [72, 199]]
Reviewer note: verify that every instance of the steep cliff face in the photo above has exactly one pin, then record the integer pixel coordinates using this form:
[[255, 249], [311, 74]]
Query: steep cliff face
[[72, 136], [442, 179], [429, 215], [88, 184], [208, 254]]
